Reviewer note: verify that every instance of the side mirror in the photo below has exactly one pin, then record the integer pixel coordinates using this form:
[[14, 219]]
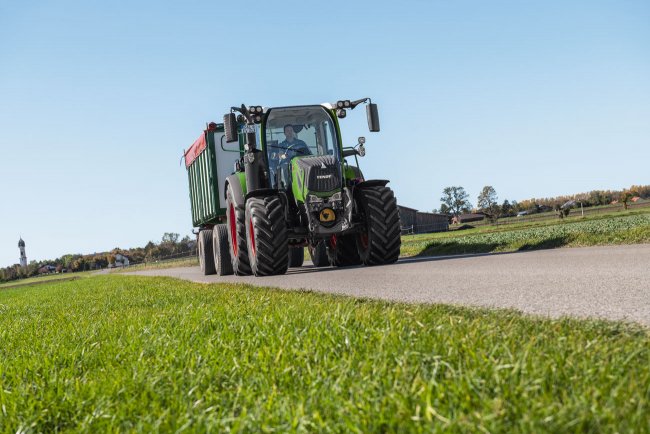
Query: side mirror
[[230, 125], [373, 117]]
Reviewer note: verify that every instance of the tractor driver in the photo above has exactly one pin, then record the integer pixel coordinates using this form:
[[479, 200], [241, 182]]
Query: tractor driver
[[298, 147]]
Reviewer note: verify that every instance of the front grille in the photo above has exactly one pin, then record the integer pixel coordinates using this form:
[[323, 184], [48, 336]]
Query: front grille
[[321, 173]]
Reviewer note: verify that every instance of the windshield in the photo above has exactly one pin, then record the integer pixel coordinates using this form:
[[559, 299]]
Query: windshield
[[297, 131]]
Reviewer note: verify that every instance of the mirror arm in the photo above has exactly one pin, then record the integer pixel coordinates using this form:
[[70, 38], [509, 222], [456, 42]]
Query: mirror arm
[[353, 104]]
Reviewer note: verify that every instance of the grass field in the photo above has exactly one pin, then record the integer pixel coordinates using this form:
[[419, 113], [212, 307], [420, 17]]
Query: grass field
[[125, 353], [618, 228]]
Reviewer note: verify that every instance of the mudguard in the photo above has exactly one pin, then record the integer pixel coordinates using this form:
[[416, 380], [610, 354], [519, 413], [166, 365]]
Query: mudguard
[[372, 183], [238, 194], [261, 192]]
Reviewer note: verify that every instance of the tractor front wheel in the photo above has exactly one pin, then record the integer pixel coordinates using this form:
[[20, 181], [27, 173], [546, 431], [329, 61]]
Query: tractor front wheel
[[380, 243], [266, 235], [296, 256], [318, 255]]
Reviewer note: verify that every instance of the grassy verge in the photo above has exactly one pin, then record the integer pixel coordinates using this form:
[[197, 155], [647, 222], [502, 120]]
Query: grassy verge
[[609, 229], [43, 279], [122, 353]]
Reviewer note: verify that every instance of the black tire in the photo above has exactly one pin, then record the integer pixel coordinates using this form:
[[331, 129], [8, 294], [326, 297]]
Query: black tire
[[296, 256], [221, 250], [266, 236], [206, 258], [236, 222], [318, 255], [381, 242], [342, 251]]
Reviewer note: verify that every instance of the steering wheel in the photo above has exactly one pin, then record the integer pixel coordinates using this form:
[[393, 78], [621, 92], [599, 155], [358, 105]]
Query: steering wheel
[[291, 148]]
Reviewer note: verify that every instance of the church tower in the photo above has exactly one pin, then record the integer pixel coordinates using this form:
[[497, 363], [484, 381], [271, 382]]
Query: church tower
[[23, 258]]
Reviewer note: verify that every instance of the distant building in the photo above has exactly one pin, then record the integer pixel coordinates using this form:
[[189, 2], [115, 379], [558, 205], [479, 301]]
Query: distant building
[[121, 261], [466, 218], [23, 257], [46, 269], [416, 222]]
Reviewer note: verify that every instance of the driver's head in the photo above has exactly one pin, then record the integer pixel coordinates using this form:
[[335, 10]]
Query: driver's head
[[289, 133]]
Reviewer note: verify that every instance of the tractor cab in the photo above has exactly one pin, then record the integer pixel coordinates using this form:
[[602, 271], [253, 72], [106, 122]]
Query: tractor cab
[[303, 137]]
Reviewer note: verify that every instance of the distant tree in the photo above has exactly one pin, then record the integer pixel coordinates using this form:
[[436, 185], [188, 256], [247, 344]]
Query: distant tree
[[506, 208], [170, 238], [456, 199], [153, 254], [487, 200], [184, 244], [643, 191], [444, 209], [626, 197]]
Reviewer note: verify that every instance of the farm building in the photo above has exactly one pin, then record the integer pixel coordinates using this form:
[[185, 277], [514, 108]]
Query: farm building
[[414, 221], [120, 261], [431, 222], [46, 269], [466, 218], [407, 216]]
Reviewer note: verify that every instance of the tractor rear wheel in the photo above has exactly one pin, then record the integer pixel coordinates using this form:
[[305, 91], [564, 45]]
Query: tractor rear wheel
[[221, 250], [318, 255], [236, 221], [206, 259], [380, 242], [342, 251], [296, 256], [266, 235]]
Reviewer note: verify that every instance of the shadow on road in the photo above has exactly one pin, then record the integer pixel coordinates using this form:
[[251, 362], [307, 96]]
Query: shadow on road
[[444, 247], [403, 261]]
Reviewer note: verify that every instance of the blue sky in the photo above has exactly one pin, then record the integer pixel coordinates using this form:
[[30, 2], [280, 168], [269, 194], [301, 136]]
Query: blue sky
[[98, 100]]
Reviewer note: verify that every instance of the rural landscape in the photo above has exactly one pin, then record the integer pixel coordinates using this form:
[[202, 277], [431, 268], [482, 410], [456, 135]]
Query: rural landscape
[[352, 217], [612, 213], [131, 353]]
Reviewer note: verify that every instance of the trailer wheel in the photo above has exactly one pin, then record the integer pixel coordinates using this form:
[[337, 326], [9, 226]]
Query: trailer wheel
[[381, 241], [221, 250], [206, 259], [342, 251], [296, 256], [318, 255], [266, 234], [235, 217]]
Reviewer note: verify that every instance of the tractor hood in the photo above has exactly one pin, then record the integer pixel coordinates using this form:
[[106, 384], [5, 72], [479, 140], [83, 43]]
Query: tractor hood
[[315, 175]]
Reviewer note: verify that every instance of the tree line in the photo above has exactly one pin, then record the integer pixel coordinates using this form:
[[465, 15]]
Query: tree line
[[455, 200], [171, 244]]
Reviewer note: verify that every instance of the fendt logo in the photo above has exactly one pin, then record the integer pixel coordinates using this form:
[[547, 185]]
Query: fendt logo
[[323, 176]]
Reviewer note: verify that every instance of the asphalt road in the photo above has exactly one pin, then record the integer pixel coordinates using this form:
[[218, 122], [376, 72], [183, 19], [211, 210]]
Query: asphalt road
[[606, 282]]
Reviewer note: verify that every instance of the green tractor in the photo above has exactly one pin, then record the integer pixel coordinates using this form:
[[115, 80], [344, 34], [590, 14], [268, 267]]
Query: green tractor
[[295, 185]]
